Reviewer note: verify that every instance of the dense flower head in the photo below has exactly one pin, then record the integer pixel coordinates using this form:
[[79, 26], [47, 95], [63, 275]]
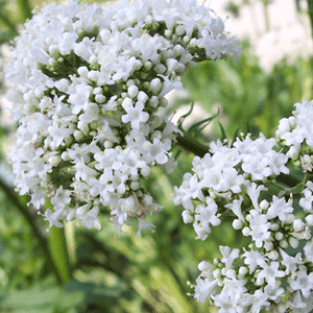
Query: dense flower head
[[86, 84], [223, 175], [296, 132], [241, 181]]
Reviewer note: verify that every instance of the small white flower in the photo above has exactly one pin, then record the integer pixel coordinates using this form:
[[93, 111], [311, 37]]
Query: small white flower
[[260, 228], [134, 115], [279, 208], [270, 273], [302, 281]]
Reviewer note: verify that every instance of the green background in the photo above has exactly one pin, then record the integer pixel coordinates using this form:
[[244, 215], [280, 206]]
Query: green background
[[96, 271]]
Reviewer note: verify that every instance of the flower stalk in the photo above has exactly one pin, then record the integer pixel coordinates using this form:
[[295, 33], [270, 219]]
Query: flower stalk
[[59, 249]]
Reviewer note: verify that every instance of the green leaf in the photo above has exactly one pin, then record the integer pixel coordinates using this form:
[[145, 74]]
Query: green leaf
[[42, 300], [235, 135], [199, 126], [182, 118], [59, 250], [98, 294], [223, 132]]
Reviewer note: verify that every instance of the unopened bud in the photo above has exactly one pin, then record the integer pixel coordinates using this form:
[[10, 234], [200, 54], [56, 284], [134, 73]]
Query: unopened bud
[[237, 224], [298, 225], [246, 231], [294, 242], [186, 217]]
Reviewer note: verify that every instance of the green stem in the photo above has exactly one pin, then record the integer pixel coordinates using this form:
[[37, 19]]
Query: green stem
[[266, 17], [59, 250], [310, 12], [13, 198], [8, 23], [25, 9], [289, 180], [70, 240], [191, 145]]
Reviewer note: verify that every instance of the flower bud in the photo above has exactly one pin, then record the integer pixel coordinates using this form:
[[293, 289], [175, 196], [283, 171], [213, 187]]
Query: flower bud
[[268, 245], [64, 156], [283, 244], [147, 65], [237, 224], [145, 171], [204, 266], [273, 255], [97, 90], [54, 160], [155, 85], [298, 225], [83, 126], [246, 231], [154, 101], [217, 273], [105, 35], [83, 71], [180, 30], [186, 217], [309, 220], [108, 144], [294, 242], [264, 204], [243, 270], [279, 236], [142, 97], [93, 75], [168, 33], [292, 121], [134, 185], [293, 153], [259, 281], [186, 39], [38, 92], [100, 98], [274, 227], [160, 68], [132, 91], [290, 218], [78, 135]]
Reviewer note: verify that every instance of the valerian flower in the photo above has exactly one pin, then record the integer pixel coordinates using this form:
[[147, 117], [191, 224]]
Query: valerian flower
[[86, 84], [269, 273]]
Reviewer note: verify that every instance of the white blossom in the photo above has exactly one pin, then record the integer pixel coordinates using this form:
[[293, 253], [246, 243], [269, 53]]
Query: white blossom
[[87, 97]]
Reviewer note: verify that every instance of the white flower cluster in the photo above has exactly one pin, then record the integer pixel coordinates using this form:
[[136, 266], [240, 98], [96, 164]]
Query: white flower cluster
[[241, 181], [86, 83], [297, 133]]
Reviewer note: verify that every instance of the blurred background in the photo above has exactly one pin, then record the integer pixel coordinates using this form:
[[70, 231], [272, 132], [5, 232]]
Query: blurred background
[[150, 273]]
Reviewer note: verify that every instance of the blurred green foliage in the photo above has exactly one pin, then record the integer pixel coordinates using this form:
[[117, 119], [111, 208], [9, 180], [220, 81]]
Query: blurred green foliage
[[148, 273], [250, 98]]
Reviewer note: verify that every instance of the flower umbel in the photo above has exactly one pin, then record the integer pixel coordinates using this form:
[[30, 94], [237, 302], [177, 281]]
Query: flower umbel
[[86, 85], [262, 278]]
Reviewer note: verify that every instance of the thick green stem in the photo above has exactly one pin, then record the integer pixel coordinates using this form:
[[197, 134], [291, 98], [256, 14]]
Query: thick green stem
[[8, 23], [70, 241], [25, 9], [191, 145], [289, 180], [59, 250], [23, 209]]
